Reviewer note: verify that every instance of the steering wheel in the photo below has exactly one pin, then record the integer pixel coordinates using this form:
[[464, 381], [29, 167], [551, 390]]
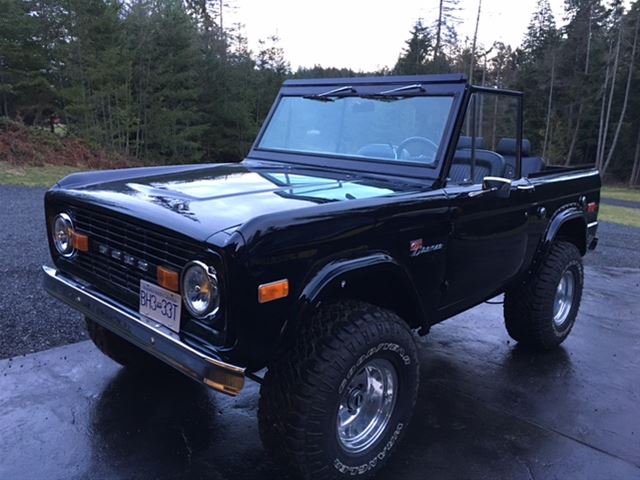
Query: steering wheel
[[428, 147]]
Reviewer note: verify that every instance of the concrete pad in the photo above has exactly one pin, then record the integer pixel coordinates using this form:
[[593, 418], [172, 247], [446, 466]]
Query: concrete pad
[[486, 408]]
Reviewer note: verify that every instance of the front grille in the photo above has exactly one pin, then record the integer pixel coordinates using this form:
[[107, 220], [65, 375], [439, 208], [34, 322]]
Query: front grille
[[129, 238]]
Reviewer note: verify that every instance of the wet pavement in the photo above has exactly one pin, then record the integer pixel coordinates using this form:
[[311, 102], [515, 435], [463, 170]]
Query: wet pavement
[[486, 409]]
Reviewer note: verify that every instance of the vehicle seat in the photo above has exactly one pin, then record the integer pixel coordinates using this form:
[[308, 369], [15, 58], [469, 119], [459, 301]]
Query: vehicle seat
[[507, 148], [465, 142], [487, 164], [532, 165]]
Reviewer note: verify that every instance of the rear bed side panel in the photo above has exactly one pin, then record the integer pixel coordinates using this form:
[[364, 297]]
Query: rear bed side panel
[[561, 197]]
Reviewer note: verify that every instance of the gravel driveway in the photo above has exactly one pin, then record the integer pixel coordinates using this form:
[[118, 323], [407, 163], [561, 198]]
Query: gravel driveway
[[30, 320]]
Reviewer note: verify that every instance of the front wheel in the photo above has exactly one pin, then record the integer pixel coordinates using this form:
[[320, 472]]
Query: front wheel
[[337, 405], [541, 313]]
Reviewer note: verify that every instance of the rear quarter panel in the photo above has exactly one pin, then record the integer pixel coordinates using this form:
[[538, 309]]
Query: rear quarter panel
[[556, 191]]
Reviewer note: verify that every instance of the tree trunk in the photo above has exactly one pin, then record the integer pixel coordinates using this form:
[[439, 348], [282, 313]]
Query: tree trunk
[[436, 50], [625, 101], [494, 125], [549, 105], [603, 106], [473, 45], [605, 131], [635, 170], [586, 61], [574, 137], [222, 32]]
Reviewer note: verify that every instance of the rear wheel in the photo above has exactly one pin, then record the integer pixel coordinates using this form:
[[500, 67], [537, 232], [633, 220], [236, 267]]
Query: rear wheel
[[541, 313], [115, 347], [339, 402]]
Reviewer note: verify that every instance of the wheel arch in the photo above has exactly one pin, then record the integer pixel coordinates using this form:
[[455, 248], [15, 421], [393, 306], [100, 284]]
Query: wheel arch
[[568, 224], [375, 278]]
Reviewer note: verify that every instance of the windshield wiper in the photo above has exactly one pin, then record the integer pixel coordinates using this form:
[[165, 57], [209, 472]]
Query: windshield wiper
[[386, 95], [395, 93], [331, 94]]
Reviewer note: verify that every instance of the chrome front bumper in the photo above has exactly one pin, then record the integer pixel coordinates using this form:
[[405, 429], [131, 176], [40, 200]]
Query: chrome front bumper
[[151, 337]]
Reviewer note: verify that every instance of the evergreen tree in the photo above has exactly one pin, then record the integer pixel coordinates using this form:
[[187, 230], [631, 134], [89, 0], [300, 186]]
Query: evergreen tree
[[95, 88], [542, 34], [446, 36], [174, 123], [537, 77], [25, 89], [416, 56], [168, 81], [579, 66]]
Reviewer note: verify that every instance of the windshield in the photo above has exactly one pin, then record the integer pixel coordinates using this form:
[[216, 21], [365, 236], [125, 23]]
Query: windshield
[[403, 129]]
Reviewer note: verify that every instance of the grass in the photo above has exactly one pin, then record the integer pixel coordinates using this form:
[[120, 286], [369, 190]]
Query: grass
[[29, 176], [620, 193], [621, 215]]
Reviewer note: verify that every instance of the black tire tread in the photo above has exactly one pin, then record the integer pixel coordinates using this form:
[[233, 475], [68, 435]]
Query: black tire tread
[[526, 308], [293, 385]]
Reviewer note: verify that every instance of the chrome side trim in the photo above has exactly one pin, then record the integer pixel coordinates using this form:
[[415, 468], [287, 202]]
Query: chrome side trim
[[592, 224], [150, 336]]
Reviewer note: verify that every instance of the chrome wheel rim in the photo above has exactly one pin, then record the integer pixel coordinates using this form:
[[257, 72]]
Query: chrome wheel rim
[[564, 298], [366, 405]]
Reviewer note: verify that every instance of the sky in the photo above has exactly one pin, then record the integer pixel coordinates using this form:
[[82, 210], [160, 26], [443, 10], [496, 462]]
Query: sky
[[368, 35]]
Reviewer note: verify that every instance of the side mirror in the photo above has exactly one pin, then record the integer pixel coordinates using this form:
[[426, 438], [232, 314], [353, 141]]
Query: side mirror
[[501, 186]]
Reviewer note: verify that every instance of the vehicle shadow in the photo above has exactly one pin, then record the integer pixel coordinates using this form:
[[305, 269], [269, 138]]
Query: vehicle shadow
[[151, 422], [160, 424]]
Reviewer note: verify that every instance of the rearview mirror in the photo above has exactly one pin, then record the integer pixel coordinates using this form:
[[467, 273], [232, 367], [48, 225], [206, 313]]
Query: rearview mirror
[[502, 186]]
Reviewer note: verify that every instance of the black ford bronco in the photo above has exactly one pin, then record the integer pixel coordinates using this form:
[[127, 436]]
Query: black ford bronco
[[367, 209]]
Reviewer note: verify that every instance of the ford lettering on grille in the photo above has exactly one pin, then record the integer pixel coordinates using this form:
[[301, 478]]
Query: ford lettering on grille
[[122, 257]]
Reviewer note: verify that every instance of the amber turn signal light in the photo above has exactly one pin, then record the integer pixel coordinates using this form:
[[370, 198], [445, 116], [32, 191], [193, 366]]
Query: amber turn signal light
[[80, 242], [273, 291], [168, 279]]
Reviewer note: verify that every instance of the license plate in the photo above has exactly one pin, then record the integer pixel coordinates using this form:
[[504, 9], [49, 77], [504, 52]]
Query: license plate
[[160, 305]]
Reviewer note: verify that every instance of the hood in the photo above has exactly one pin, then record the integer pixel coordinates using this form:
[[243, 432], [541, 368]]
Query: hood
[[199, 201]]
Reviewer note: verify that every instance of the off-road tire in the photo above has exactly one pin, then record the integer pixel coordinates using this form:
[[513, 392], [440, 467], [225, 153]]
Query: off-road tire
[[300, 395], [528, 309], [115, 347]]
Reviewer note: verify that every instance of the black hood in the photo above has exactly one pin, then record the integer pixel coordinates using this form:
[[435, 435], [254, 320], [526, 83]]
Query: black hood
[[204, 199]]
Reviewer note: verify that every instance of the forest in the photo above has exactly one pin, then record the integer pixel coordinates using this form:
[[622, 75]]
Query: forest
[[166, 81]]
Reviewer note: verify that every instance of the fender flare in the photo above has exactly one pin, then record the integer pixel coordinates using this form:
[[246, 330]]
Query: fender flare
[[329, 278], [566, 214]]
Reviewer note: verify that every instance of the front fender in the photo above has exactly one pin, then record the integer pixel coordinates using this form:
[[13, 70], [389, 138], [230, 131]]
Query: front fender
[[355, 277], [340, 270]]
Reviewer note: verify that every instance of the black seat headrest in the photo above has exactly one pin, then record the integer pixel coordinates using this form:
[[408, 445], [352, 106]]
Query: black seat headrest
[[507, 146], [465, 142]]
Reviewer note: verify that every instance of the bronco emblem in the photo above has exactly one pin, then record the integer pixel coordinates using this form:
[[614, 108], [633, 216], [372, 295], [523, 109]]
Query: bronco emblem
[[416, 247]]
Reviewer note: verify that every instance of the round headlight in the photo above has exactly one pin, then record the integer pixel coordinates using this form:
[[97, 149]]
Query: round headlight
[[200, 291], [62, 234]]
